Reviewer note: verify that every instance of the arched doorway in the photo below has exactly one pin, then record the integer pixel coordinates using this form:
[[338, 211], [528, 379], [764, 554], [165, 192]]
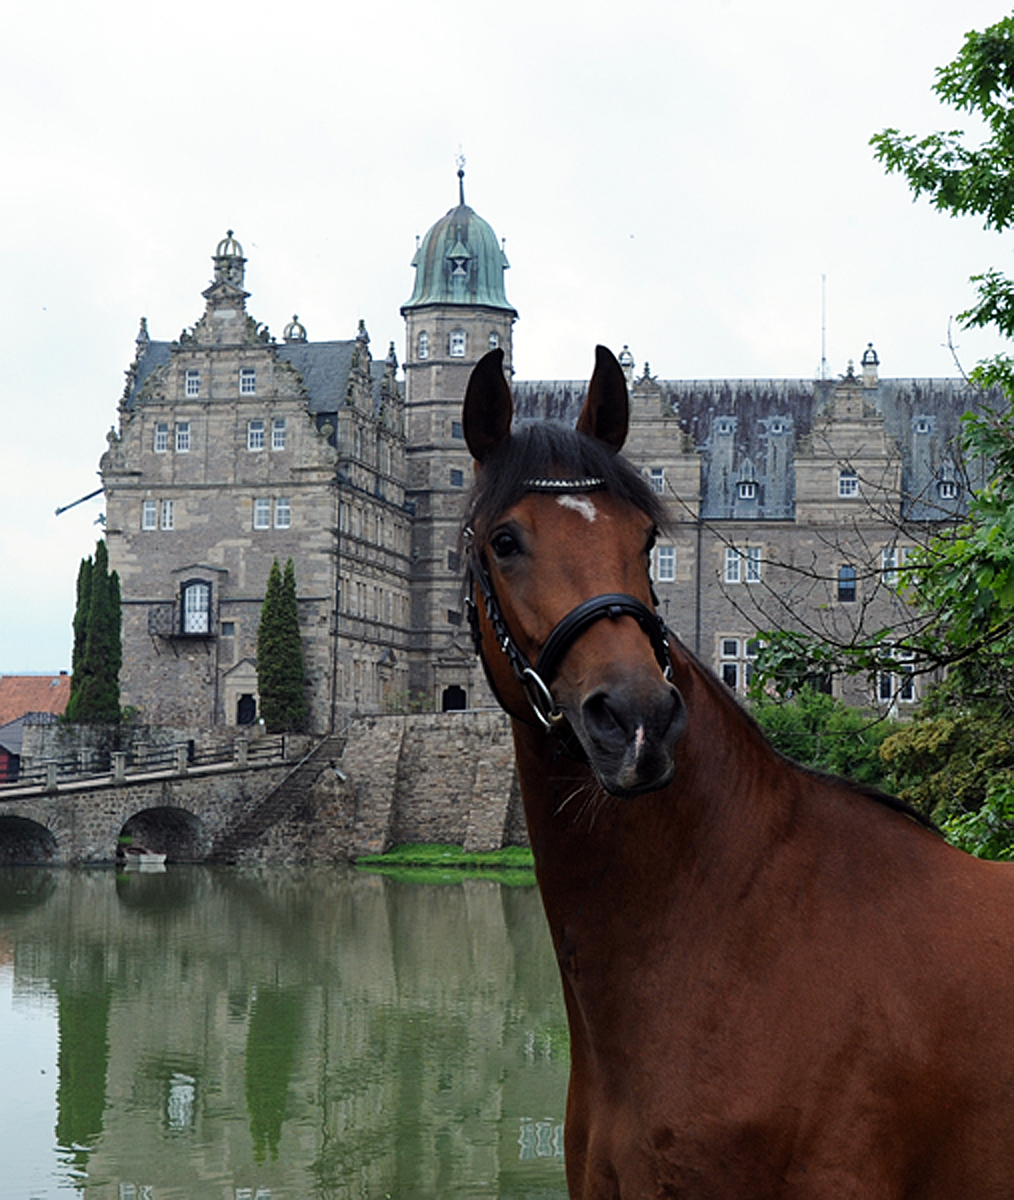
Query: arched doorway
[[454, 699], [246, 709]]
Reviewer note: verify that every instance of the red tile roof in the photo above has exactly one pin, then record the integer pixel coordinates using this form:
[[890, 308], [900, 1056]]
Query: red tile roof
[[20, 694]]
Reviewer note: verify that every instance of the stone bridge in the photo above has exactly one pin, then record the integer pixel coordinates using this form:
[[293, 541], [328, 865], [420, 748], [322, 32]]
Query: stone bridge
[[426, 778]]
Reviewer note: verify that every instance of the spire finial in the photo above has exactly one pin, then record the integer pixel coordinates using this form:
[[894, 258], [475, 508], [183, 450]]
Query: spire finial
[[460, 160]]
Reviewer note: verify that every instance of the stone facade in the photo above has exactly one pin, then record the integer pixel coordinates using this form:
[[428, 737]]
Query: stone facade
[[794, 501]]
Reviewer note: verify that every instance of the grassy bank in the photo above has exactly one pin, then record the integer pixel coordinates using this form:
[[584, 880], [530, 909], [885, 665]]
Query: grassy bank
[[513, 865]]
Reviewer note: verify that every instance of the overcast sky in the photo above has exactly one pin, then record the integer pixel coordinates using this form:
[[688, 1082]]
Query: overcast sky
[[673, 176]]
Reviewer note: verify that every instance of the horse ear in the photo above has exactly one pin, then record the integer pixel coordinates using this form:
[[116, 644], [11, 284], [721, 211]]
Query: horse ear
[[486, 416], [606, 411]]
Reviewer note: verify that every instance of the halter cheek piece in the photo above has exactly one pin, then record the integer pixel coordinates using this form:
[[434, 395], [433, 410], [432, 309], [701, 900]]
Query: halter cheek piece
[[536, 680]]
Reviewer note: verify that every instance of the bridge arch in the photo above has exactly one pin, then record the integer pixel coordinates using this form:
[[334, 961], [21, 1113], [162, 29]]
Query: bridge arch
[[164, 829], [24, 841]]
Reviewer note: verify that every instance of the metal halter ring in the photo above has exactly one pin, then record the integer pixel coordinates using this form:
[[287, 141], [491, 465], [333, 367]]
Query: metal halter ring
[[541, 699]]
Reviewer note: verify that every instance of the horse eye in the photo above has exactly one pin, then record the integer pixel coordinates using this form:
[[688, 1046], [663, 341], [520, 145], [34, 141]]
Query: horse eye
[[504, 544]]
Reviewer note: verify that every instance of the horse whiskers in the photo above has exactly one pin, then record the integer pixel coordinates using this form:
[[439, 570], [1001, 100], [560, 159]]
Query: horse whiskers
[[592, 796]]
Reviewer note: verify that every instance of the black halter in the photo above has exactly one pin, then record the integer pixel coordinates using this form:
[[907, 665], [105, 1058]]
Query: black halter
[[536, 680]]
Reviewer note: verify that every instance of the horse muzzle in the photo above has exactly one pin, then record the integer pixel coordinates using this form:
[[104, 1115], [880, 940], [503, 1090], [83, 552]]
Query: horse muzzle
[[628, 731]]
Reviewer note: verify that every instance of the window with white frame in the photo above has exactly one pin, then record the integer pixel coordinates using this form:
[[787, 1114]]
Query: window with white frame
[[665, 564], [283, 512], [947, 489], [182, 437], [898, 685], [168, 516], [656, 479], [278, 433], [742, 565], [889, 565], [255, 435], [422, 345], [149, 514], [736, 655], [192, 383], [161, 444], [248, 381], [456, 344], [262, 512], [848, 484], [746, 489], [846, 584], [494, 340], [196, 607]]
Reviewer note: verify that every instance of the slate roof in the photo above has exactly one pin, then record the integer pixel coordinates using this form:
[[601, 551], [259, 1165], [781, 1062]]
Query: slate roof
[[21, 694], [921, 416], [323, 366]]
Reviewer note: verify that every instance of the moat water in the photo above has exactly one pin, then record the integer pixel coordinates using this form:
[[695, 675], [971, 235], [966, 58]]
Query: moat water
[[286, 1034]]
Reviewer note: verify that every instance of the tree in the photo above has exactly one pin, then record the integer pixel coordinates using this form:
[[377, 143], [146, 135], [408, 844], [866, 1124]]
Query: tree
[[956, 760], [963, 180], [98, 647], [281, 672]]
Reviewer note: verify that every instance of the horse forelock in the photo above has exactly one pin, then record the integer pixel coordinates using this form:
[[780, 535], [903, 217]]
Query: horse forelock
[[546, 451]]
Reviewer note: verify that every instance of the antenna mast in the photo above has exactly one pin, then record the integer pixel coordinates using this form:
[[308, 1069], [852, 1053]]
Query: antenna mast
[[823, 328]]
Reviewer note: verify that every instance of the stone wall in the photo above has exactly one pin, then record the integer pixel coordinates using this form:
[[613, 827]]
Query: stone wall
[[433, 777]]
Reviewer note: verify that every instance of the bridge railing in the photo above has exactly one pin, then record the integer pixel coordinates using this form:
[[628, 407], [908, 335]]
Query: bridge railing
[[178, 758]]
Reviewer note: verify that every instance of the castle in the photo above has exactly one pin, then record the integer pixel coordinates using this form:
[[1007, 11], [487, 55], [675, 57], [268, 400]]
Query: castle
[[794, 501]]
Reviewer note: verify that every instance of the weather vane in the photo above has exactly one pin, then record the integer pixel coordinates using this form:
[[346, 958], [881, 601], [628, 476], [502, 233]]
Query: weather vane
[[460, 160]]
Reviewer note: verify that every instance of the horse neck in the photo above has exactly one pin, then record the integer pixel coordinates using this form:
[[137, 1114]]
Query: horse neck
[[718, 811]]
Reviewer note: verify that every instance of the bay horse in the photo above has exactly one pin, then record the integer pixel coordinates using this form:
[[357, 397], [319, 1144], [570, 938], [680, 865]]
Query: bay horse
[[778, 983]]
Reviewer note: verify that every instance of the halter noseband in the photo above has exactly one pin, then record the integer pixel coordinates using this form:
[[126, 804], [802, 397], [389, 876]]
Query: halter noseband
[[536, 680]]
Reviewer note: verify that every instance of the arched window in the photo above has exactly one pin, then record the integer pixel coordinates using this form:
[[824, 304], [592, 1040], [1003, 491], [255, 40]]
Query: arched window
[[422, 346], [196, 607], [456, 344], [494, 340]]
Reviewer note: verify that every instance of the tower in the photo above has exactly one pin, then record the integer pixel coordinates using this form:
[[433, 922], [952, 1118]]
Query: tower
[[457, 312]]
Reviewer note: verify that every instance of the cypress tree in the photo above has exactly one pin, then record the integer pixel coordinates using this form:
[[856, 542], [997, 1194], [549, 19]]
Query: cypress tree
[[98, 645], [280, 669], [84, 591]]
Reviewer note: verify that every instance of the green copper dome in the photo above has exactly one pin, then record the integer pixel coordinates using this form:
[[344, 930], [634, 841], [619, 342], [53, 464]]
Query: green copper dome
[[460, 261]]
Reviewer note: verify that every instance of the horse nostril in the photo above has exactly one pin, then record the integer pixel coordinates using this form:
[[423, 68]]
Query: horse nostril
[[603, 721]]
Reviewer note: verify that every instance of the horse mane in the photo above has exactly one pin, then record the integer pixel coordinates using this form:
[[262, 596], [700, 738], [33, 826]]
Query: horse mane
[[727, 698], [549, 449]]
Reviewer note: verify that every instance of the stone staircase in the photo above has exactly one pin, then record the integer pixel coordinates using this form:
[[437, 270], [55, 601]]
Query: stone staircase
[[287, 796]]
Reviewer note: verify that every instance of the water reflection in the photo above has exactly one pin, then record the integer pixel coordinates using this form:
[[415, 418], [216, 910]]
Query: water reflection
[[282, 1034]]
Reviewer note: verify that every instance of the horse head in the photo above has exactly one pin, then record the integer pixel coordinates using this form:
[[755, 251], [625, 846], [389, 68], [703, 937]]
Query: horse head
[[560, 533]]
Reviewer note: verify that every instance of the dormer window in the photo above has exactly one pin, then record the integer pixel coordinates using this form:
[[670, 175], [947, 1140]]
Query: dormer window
[[746, 489], [776, 427], [922, 425], [848, 485], [248, 381], [947, 489], [422, 345], [192, 385], [724, 426], [456, 344]]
